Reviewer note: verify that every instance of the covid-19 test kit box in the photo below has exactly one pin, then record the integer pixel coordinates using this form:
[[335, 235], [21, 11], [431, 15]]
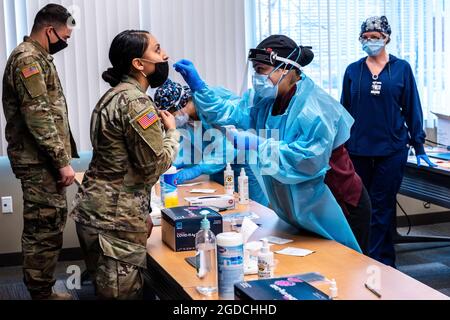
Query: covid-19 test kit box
[[180, 226]]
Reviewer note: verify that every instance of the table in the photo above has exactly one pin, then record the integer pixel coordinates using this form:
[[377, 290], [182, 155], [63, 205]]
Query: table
[[173, 278], [426, 184]]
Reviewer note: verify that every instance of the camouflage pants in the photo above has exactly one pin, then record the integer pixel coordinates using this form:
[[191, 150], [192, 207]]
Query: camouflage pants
[[44, 215], [115, 261]]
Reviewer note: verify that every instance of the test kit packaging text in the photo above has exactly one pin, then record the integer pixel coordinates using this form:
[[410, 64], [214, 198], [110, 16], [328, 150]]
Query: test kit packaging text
[[282, 289], [180, 225]]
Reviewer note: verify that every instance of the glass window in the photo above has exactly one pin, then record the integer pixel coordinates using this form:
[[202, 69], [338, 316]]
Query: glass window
[[331, 27]]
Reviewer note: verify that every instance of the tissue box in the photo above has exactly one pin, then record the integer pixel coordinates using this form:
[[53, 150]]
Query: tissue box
[[443, 129], [180, 226]]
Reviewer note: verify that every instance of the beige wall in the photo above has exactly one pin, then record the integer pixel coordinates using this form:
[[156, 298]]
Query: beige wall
[[414, 207], [11, 224]]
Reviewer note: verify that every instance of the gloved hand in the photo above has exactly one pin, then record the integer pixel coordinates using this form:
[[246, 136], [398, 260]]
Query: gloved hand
[[188, 174], [244, 140], [190, 74], [425, 158]]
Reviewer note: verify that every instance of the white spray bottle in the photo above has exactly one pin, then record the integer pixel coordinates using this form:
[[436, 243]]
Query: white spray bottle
[[244, 197], [265, 262], [229, 180]]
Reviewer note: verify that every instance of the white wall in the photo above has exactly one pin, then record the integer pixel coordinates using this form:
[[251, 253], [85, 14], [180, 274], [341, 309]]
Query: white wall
[[11, 225], [211, 33]]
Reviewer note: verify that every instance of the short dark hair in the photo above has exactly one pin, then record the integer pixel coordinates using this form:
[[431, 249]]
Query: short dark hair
[[126, 46], [53, 15]]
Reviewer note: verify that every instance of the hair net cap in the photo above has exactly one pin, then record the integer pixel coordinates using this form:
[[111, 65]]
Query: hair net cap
[[172, 95], [376, 24], [287, 48]]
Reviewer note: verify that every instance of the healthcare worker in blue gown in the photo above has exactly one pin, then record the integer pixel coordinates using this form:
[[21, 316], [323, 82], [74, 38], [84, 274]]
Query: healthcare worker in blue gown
[[309, 128], [380, 93], [203, 149]]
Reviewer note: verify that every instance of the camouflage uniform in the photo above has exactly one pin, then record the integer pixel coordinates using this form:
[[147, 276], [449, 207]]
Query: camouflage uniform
[[131, 152], [39, 143]]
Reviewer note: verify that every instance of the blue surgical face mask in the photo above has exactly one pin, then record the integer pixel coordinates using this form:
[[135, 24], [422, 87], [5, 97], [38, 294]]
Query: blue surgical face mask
[[373, 47], [182, 120], [264, 87]]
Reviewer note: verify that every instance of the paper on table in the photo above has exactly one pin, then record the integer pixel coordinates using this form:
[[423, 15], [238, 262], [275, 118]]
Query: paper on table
[[445, 165], [204, 191], [239, 216], [218, 197], [296, 252], [248, 229], [278, 240], [190, 184]]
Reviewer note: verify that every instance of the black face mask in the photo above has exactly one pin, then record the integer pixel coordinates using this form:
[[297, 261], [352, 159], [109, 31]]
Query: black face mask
[[58, 46], [160, 76]]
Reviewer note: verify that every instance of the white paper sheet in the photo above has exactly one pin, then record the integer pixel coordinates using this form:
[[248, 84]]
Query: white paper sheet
[[296, 252]]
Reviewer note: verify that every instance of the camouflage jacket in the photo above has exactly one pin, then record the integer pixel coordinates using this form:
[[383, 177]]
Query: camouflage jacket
[[131, 152], [37, 128]]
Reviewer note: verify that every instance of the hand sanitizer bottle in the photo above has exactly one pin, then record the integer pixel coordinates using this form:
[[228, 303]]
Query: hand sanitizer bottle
[[265, 262], [205, 244], [333, 290], [229, 180], [244, 197]]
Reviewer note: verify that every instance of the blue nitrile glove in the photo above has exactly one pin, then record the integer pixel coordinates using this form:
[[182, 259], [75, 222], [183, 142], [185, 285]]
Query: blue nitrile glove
[[188, 174], [244, 140], [425, 158], [190, 74], [179, 166]]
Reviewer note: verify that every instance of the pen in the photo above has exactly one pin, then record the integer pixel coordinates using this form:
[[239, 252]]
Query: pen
[[373, 291]]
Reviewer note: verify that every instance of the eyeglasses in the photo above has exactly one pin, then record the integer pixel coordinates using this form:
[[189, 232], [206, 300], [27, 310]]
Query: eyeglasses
[[372, 38]]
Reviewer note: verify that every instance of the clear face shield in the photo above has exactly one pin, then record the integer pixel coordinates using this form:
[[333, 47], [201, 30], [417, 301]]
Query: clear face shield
[[262, 83]]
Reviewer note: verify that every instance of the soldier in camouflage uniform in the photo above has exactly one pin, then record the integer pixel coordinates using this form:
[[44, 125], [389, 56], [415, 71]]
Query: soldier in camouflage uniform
[[40, 145], [131, 151]]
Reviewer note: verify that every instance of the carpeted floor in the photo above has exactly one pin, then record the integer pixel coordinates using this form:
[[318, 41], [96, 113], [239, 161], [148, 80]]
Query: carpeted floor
[[18, 291], [428, 263], [12, 287]]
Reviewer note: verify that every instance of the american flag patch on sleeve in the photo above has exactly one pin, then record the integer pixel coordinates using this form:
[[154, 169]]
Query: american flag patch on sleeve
[[148, 120], [30, 71]]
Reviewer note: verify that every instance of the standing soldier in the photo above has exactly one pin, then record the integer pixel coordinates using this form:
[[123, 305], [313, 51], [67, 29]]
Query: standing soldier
[[40, 145], [131, 151]]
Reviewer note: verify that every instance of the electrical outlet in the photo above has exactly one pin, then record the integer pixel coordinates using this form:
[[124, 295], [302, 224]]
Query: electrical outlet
[[7, 205]]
